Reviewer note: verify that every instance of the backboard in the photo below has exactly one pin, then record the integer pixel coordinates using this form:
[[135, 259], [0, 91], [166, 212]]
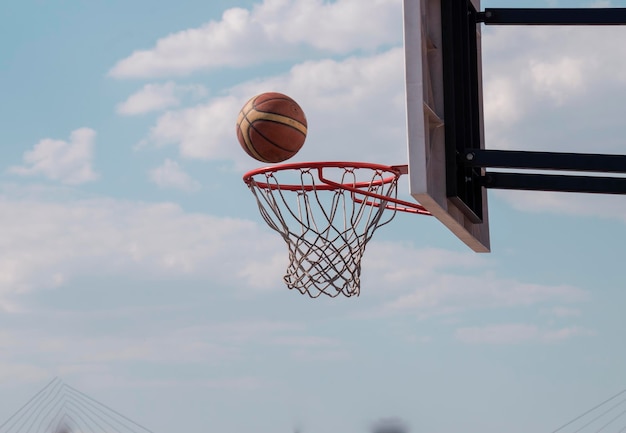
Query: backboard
[[445, 113]]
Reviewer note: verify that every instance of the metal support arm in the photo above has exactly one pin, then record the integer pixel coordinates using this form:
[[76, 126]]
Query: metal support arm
[[466, 160], [547, 182], [546, 160], [481, 158], [558, 17]]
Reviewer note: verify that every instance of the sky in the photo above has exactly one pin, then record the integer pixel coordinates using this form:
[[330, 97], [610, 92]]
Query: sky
[[135, 266]]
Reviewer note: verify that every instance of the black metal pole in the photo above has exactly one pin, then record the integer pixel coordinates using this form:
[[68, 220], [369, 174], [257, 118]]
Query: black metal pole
[[547, 182], [589, 162], [550, 16]]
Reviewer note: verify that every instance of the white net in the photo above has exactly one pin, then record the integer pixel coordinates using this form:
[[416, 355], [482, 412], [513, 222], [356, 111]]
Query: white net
[[326, 225]]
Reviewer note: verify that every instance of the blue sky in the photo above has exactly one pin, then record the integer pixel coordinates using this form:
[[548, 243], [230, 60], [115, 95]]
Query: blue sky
[[135, 266]]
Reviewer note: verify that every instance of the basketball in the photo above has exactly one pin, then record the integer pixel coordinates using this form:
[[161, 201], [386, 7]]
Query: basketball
[[271, 127]]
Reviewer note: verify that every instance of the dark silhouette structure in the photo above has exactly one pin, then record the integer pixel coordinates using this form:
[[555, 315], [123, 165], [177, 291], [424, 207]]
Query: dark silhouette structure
[[59, 408]]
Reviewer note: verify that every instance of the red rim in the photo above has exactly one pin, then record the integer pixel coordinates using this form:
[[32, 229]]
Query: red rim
[[394, 171]]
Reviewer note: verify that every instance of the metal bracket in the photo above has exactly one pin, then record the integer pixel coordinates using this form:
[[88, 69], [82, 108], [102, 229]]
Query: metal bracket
[[462, 103], [466, 161], [467, 168]]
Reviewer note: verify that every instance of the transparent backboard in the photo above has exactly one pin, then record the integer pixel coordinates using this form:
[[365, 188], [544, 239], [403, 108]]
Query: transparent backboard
[[436, 100]]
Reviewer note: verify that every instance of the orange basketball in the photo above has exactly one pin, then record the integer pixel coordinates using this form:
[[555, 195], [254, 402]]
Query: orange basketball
[[271, 127]]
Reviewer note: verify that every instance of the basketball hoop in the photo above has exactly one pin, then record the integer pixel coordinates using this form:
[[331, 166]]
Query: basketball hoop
[[326, 212]]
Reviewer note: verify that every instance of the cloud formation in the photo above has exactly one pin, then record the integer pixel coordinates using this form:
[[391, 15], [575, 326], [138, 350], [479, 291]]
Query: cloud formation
[[271, 30], [452, 284], [219, 344], [157, 97], [538, 79], [50, 243], [69, 162], [171, 175], [585, 205], [558, 89], [516, 333], [336, 95]]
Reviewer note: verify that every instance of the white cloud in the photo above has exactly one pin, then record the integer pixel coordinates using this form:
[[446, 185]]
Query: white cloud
[[516, 333], [596, 205], [171, 175], [109, 379], [500, 101], [451, 283], [205, 131], [537, 78], [47, 244], [561, 312], [393, 264], [319, 356], [313, 348], [272, 30], [558, 79], [451, 294], [305, 341], [261, 272], [156, 97], [69, 162], [22, 372], [556, 89], [182, 345], [335, 95], [51, 243], [216, 344]]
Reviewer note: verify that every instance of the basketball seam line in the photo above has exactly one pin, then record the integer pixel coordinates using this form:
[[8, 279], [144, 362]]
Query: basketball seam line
[[246, 138], [279, 118], [272, 141]]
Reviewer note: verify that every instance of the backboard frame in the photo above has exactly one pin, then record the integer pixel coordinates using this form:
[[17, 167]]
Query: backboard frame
[[443, 74]]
